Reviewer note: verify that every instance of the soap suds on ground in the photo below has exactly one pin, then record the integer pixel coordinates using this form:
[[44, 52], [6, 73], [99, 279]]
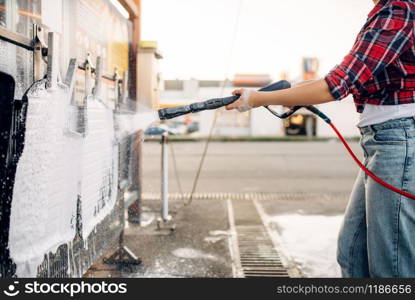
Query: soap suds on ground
[[190, 253], [311, 241]]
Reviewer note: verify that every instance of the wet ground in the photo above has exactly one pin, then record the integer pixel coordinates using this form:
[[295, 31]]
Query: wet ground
[[198, 247], [310, 179]]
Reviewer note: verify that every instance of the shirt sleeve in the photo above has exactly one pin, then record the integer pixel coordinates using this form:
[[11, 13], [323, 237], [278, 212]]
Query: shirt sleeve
[[381, 42]]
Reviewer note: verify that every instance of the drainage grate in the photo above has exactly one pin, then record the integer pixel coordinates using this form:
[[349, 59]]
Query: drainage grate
[[258, 256]]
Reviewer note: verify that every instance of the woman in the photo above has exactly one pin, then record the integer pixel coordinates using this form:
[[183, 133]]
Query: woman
[[377, 238]]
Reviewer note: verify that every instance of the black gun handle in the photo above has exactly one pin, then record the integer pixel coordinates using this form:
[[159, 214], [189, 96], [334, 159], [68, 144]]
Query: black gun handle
[[173, 112], [279, 85]]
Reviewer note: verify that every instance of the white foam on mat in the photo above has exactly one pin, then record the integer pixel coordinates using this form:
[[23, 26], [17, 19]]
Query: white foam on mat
[[58, 165], [45, 191], [311, 241], [99, 169]]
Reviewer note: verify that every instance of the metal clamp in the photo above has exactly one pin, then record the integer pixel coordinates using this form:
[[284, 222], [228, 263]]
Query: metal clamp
[[95, 88], [39, 38], [118, 88], [98, 76], [71, 75], [121, 86], [89, 69], [37, 44], [40, 51], [124, 88]]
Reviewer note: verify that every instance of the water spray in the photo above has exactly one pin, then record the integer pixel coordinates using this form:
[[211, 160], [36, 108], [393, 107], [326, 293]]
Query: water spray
[[173, 112]]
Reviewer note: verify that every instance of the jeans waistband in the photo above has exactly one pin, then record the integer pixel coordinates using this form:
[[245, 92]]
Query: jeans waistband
[[396, 123]]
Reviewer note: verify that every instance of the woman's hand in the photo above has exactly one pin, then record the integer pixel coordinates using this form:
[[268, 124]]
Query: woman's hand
[[246, 102], [310, 93]]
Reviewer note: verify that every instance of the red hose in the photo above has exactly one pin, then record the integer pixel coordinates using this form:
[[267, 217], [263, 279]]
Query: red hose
[[368, 172]]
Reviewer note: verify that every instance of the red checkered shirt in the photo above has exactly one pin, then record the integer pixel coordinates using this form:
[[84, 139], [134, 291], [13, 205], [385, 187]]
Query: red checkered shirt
[[380, 69]]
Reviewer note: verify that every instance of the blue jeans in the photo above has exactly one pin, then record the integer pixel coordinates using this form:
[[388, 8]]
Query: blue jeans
[[377, 238]]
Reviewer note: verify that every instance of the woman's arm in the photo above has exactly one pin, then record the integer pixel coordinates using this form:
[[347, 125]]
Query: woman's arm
[[388, 35], [308, 93]]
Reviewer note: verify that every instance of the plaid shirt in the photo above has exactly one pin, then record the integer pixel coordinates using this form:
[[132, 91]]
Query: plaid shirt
[[380, 69]]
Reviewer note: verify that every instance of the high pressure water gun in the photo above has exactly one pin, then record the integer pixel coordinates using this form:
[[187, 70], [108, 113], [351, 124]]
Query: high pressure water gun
[[173, 112]]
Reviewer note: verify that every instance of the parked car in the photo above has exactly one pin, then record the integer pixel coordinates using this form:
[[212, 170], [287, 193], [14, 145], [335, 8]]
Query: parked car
[[177, 128], [193, 127], [156, 130]]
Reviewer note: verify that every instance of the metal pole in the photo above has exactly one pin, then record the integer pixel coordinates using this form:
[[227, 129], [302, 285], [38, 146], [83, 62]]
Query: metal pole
[[139, 176], [164, 179], [134, 211]]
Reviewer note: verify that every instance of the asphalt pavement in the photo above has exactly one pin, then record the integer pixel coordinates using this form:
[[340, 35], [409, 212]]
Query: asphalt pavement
[[276, 167]]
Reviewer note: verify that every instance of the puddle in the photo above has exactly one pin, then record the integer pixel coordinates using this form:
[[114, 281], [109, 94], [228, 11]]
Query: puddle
[[311, 241]]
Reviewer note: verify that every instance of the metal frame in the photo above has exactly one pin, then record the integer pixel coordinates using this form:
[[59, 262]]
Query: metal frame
[[42, 50], [16, 39]]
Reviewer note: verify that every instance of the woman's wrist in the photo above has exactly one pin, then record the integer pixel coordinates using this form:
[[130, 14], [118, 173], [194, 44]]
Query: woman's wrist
[[259, 99], [256, 99], [312, 93]]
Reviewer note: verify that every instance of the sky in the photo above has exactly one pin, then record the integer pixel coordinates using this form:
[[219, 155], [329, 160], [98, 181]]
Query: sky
[[215, 39]]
